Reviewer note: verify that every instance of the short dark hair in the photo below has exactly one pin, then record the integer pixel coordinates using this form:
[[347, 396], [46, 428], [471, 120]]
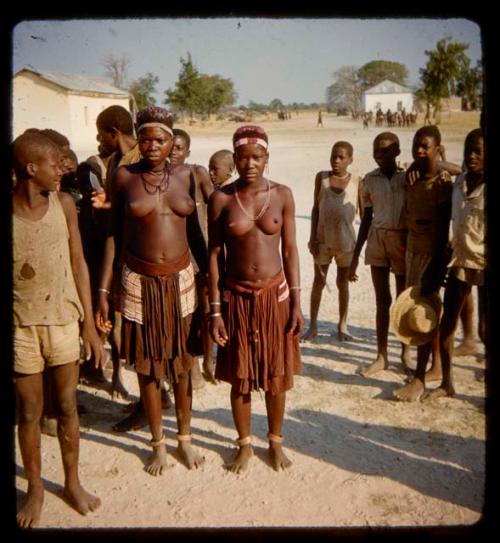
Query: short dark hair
[[473, 136], [54, 135], [30, 147], [344, 145], [184, 135], [429, 131], [386, 136], [115, 118]]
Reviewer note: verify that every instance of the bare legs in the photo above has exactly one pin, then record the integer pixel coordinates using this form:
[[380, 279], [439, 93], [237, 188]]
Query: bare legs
[[241, 409], [29, 390], [319, 283], [469, 345]]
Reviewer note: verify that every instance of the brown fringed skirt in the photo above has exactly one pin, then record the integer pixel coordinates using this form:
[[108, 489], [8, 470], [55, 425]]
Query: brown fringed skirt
[[159, 347], [259, 353]]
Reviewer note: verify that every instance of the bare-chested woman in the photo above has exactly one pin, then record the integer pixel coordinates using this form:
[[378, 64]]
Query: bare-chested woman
[[154, 221], [254, 292]]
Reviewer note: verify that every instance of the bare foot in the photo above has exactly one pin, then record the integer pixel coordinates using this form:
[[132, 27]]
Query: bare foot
[[118, 389], [277, 457], [80, 499], [311, 333], [188, 455], [343, 336], [380, 364], [441, 392], [433, 375], [412, 392], [166, 400], [208, 372], [158, 460], [197, 380], [135, 421], [240, 463], [466, 348], [30, 513]]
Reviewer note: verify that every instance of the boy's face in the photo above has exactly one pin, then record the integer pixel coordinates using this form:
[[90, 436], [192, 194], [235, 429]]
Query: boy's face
[[474, 155], [47, 171], [340, 160], [218, 170], [385, 153], [107, 140], [180, 151], [425, 152]]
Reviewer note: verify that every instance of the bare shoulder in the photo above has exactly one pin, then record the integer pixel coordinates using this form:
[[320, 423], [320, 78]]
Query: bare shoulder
[[284, 191], [66, 200]]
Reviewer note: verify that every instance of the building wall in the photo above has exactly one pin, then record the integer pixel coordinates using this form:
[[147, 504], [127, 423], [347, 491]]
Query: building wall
[[387, 101], [37, 103]]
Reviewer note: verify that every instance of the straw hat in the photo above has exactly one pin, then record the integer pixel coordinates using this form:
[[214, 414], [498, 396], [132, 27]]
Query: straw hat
[[415, 318]]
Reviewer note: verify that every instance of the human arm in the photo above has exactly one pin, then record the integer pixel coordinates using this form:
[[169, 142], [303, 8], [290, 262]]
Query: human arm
[[313, 244], [195, 236], [91, 340], [203, 180], [216, 266], [290, 257]]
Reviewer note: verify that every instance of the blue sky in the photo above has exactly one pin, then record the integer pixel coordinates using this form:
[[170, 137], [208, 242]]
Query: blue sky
[[292, 59]]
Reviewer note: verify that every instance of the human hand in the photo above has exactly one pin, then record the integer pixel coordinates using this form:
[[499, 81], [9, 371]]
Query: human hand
[[218, 331], [98, 199], [352, 270], [295, 321], [102, 315], [92, 344]]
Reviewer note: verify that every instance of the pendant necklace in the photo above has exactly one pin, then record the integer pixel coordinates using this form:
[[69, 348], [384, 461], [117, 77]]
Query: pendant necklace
[[153, 188], [264, 207]]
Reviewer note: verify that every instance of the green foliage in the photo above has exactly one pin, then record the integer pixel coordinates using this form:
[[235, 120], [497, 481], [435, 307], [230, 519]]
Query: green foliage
[[470, 87], [143, 89], [374, 72], [199, 93], [445, 67], [346, 91]]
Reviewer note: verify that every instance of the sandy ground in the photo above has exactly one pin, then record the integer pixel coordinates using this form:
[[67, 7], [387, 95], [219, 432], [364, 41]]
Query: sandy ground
[[359, 457]]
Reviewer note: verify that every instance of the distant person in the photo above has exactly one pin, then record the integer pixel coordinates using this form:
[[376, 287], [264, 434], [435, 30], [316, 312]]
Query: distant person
[[181, 149], [154, 214], [52, 308], [254, 291], [320, 119], [221, 168], [336, 195], [383, 227]]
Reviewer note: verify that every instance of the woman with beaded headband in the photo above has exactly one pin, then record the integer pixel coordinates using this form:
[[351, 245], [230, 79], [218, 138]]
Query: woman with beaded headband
[[254, 292], [153, 226]]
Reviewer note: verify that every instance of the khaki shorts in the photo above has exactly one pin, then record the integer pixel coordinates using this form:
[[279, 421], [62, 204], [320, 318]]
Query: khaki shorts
[[38, 346], [386, 248], [416, 264], [326, 254]]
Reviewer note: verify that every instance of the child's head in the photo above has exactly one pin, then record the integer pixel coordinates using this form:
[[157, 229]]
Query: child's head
[[110, 123], [426, 148], [36, 157], [220, 167], [385, 150], [474, 151], [181, 147], [69, 161], [57, 138], [341, 157]]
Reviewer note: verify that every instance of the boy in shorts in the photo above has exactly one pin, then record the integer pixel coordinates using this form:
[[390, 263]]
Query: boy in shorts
[[52, 308]]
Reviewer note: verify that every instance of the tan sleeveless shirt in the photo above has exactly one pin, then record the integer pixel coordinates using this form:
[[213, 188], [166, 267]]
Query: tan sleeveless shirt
[[44, 288], [337, 212]]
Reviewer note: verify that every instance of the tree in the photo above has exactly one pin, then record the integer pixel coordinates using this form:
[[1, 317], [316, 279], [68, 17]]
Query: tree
[[215, 93], [346, 91], [446, 64], [116, 69], [376, 71], [470, 87], [276, 104], [143, 89], [185, 96]]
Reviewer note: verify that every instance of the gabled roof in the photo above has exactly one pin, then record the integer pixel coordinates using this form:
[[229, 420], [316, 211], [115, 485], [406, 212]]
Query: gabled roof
[[78, 83], [388, 87]]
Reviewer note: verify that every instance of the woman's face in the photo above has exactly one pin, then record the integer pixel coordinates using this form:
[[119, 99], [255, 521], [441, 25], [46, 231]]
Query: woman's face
[[250, 161], [155, 145]]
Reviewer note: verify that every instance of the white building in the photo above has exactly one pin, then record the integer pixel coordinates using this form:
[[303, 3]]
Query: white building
[[387, 95], [67, 103]]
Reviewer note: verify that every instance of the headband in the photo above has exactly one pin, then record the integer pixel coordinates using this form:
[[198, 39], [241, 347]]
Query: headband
[[244, 141], [164, 127]]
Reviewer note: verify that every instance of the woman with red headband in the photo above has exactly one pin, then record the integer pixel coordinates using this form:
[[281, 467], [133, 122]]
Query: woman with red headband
[[153, 225], [254, 292]]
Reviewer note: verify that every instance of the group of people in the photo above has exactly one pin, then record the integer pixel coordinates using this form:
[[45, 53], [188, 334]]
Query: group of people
[[405, 222], [180, 257], [158, 282]]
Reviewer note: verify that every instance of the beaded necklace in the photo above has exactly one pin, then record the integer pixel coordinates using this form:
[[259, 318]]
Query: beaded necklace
[[153, 188], [264, 207]]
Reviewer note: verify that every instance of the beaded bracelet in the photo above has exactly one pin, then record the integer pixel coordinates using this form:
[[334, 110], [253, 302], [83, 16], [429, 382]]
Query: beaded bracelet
[[215, 303], [294, 288], [103, 290], [215, 315]]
